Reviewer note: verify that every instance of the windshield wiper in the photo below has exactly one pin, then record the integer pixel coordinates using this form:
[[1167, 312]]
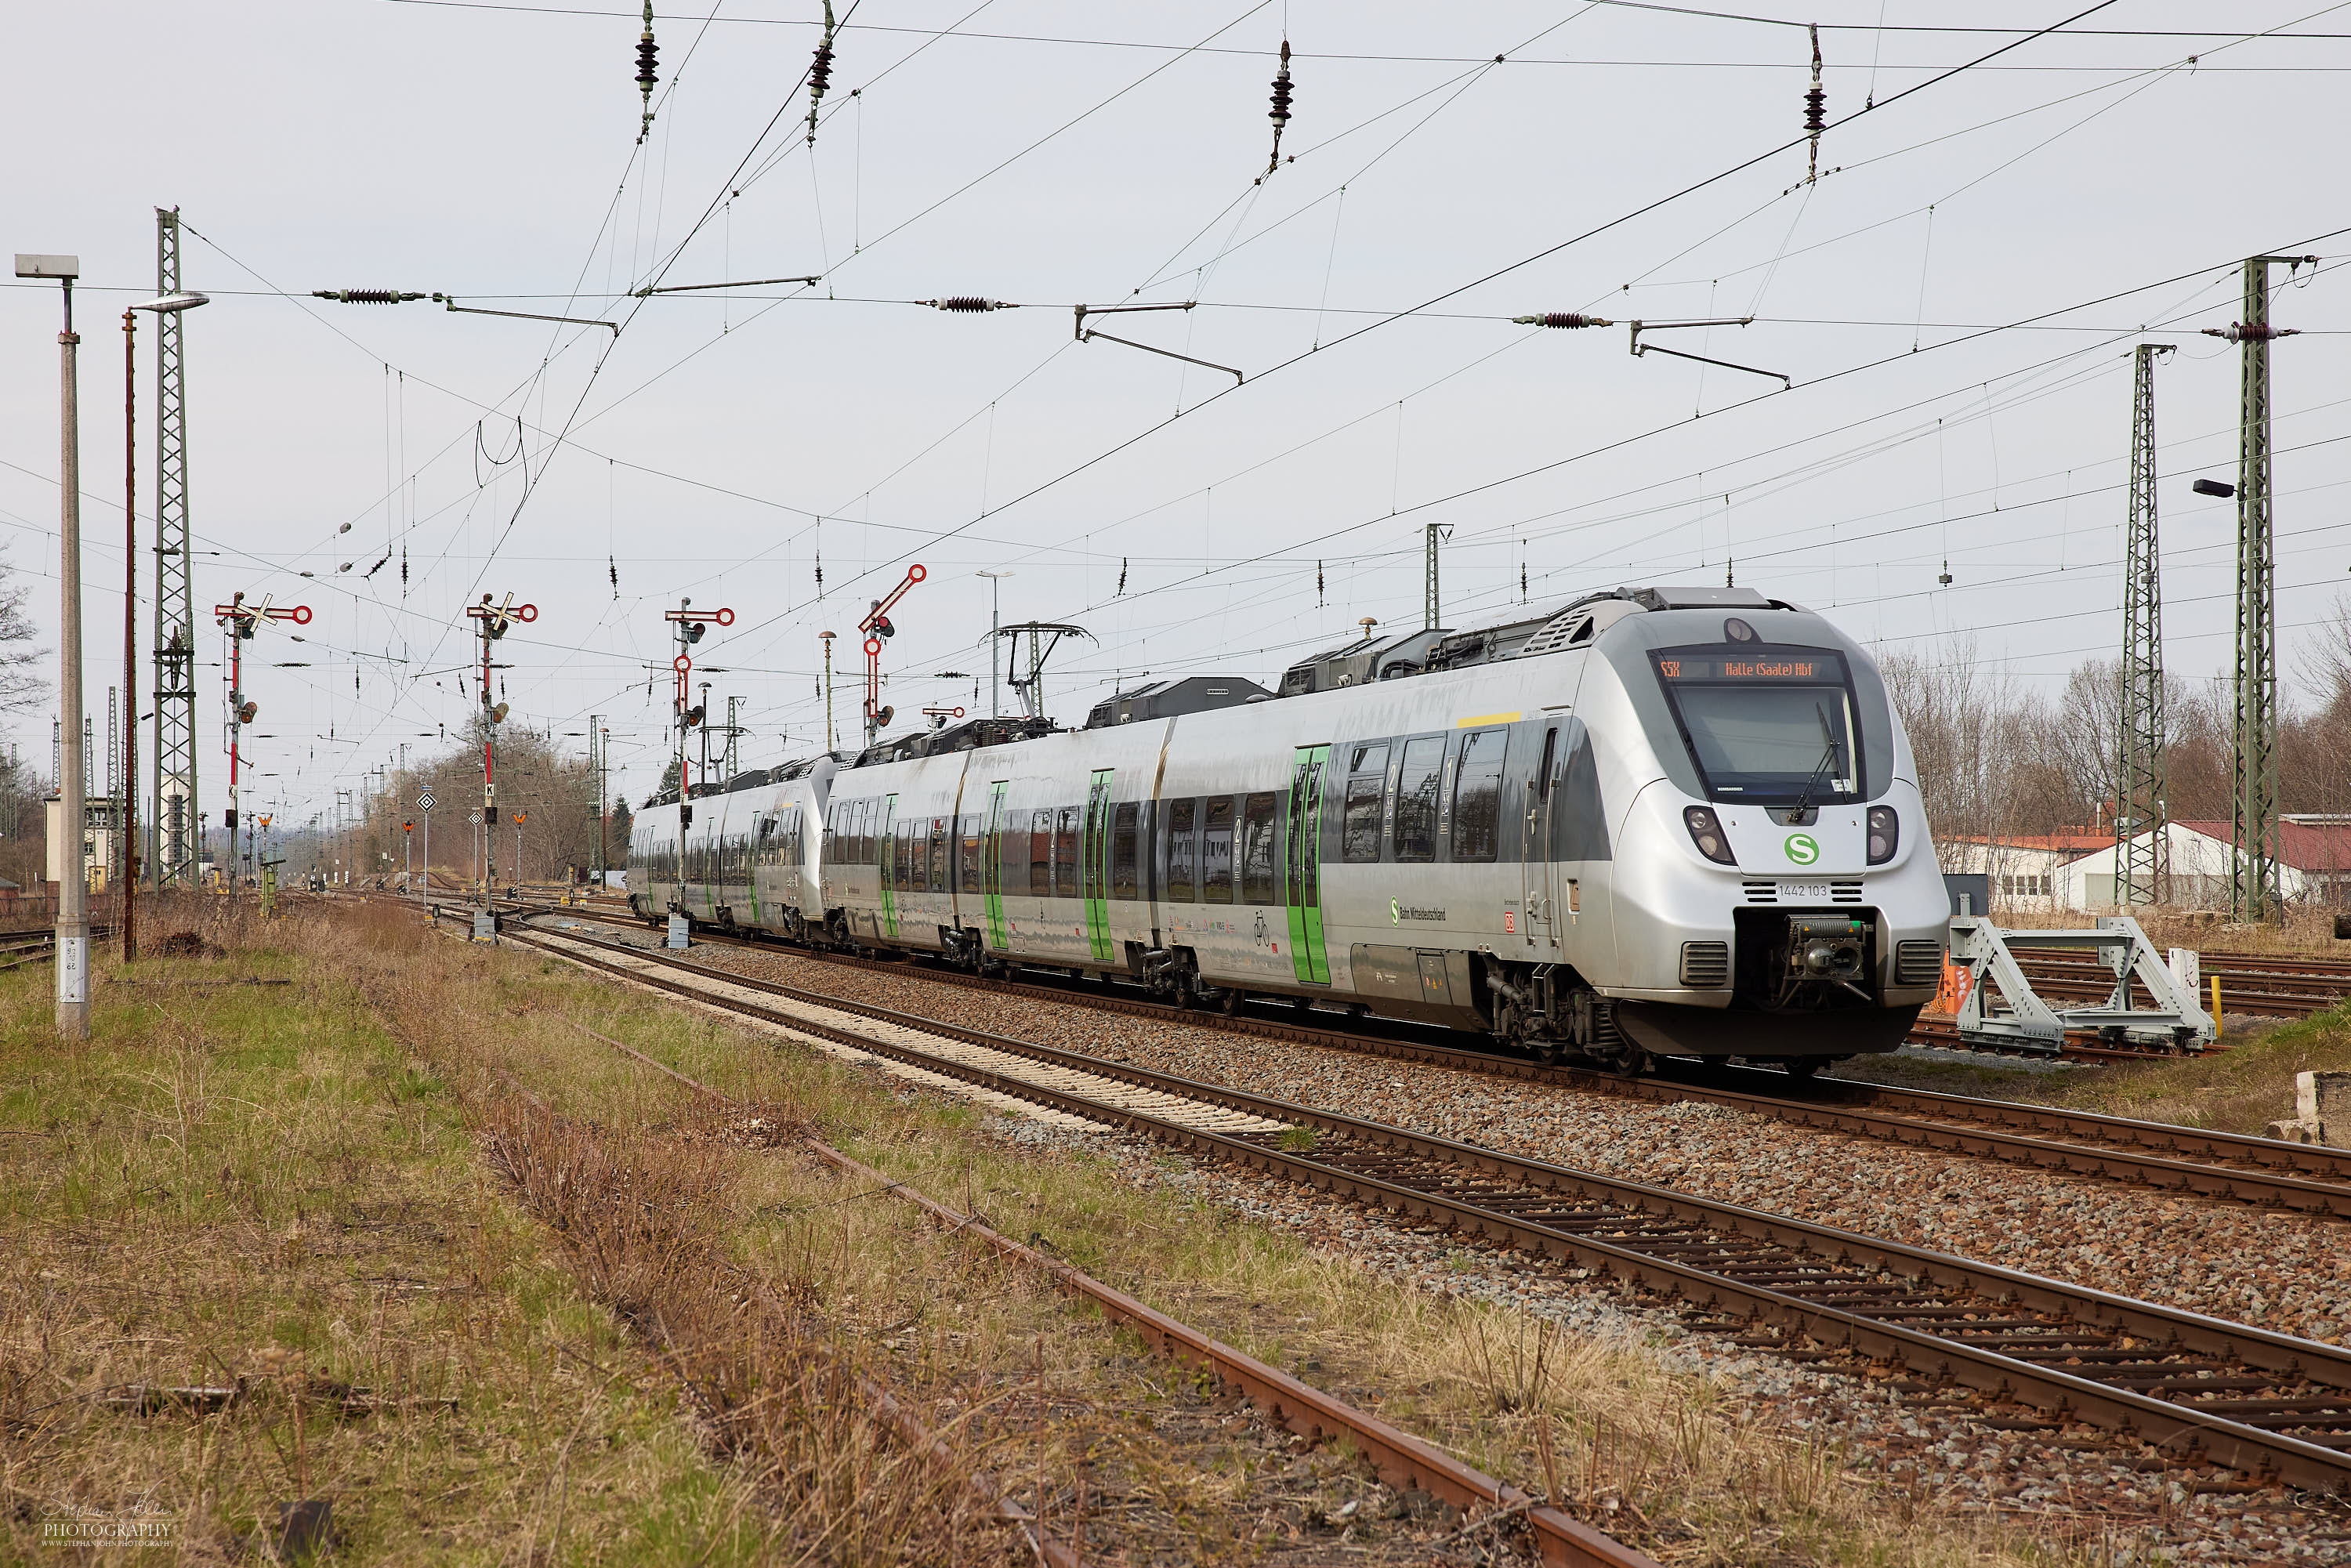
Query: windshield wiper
[[1828, 760]]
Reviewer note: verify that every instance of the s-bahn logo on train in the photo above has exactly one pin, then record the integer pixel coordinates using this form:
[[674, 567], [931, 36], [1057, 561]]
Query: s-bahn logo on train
[[1803, 848]]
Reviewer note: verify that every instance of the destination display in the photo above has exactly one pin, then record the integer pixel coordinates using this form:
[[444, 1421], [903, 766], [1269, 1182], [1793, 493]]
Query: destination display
[[1740, 668]]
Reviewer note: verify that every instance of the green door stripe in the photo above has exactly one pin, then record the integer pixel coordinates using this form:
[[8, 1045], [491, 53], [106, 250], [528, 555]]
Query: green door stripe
[[1309, 962]]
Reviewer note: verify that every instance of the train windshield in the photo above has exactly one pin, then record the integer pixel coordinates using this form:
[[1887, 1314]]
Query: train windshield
[[1770, 724]]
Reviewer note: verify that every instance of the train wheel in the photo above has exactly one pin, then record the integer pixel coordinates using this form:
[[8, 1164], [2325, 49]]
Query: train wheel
[[1801, 1066], [1232, 1004], [1632, 1064]]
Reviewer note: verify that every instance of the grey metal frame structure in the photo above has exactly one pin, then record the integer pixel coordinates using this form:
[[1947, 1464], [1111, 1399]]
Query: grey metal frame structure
[[2142, 839], [2001, 1010], [175, 817]]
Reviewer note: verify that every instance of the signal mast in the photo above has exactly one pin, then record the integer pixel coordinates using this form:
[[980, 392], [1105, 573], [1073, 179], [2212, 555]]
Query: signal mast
[[876, 626], [688, 624], [492, 621], [240, 621]]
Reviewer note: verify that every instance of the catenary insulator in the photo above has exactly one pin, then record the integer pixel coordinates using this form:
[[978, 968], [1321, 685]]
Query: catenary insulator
[[1562, 319], [2238, 332], [819, 72], [364, 296], [1816, 113], [969, 302], [647, 76], [1280, 115]]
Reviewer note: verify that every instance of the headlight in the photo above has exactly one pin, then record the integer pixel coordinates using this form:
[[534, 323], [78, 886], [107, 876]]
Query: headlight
[[1707, 833], [1885, 834]]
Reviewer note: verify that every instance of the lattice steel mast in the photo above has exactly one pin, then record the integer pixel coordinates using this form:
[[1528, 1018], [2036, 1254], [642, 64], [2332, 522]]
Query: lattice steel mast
[[2253, 884], [174, 816], [2142, 848]]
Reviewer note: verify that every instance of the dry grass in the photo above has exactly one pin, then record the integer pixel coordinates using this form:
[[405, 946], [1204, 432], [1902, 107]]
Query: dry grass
[[252, 1188], [2234, 1091], [229, 1169], [781, 1387]]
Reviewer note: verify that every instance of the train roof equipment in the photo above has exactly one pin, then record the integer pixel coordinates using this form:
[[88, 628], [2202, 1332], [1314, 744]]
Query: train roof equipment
[[970, 735], [1165, 699]]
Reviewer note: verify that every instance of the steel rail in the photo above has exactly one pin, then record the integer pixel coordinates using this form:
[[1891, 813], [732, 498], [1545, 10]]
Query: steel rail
[[2305, 1178], [2142, 1339], [1405, 1462]]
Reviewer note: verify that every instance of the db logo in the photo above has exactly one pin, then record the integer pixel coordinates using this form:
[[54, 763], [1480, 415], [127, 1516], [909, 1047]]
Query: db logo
[[1803, 848], [1510, 920]]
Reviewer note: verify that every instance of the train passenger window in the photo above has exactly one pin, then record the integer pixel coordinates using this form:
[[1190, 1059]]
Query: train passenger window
[[970, 859], [1123, 880], [937, 881], [869, 833], [1183, 850], [1065, 854], [1012, 849], [1368, 782], [1477, 796], [1216, 852], [1416, 810], [1041, 854], [1260, 867]]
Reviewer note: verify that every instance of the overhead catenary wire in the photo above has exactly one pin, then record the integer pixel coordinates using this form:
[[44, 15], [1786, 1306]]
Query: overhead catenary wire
[[1146, 579]]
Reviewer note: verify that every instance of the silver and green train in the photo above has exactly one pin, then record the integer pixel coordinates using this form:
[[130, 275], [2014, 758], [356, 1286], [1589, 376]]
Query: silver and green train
[[1666, 822]]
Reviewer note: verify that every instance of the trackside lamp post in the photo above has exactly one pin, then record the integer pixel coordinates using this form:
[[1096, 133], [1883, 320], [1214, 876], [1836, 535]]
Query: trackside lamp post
[[73, 885], [688, 624], [491, 620]]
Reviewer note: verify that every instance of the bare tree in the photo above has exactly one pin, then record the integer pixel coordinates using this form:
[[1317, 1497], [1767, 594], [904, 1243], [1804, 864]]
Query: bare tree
[[20, 687]]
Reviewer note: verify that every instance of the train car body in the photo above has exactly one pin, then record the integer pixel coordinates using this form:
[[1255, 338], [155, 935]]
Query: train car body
[[746, 855], [1667, 822]]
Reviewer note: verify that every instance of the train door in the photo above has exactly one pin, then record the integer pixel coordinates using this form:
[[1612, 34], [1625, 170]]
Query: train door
[[991, 865], [1539, 867], [1308, 960], [887, 863], [1095, 863]]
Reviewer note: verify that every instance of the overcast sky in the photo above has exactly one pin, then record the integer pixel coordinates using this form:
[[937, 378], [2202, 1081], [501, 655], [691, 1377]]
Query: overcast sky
[[1955, 301]]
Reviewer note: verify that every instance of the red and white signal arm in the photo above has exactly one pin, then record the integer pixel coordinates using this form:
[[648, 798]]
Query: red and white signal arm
[[873, 647], [300, 617], [525, 612], [724, 617]]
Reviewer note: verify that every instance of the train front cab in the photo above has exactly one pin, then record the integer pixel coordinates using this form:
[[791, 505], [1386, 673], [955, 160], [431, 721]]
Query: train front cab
[[1774, 894]]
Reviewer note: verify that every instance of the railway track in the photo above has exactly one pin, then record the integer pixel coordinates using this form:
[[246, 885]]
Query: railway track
[[2269, 984], [2193, 1389], [2264, 1171], [1403, 1460]]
